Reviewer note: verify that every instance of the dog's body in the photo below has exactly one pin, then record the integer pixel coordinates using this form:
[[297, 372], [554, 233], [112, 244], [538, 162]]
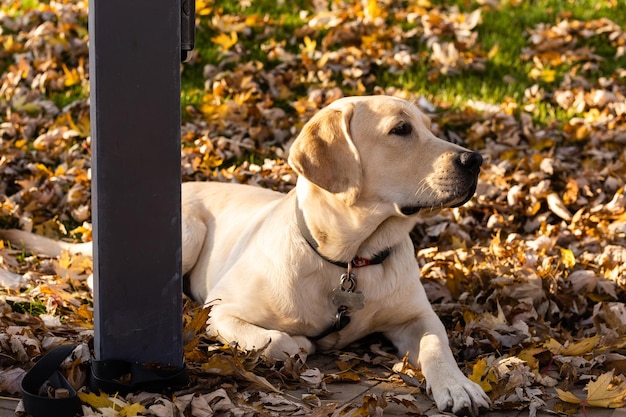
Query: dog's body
[[367, 167]]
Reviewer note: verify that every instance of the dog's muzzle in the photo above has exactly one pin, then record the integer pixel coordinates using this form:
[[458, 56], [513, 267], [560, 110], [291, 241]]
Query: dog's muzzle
[[468, 165], [469, 162]]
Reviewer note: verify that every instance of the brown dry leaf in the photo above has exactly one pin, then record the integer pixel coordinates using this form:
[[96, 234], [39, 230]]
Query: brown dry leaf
[[11, 380], [555, 203], [346, 376], [312, 377], [224, 365], [372, 405], [408, 401]]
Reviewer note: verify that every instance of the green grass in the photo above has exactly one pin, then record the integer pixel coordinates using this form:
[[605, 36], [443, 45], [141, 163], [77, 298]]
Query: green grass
[[283, 18], [68, 96], [34, 308], [504, 29], [503, 32]]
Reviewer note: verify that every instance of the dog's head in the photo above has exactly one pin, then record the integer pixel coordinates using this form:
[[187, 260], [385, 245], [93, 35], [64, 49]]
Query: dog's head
[[380, 150]]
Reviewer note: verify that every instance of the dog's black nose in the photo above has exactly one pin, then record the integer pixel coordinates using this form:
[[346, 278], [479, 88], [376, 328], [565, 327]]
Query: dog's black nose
[[470, 161]]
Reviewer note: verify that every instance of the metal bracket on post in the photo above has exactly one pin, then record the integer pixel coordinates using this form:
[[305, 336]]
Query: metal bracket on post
[[187, 28]]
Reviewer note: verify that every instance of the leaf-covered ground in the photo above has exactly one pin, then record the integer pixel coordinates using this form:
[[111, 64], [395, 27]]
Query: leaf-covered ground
[[528, 277]]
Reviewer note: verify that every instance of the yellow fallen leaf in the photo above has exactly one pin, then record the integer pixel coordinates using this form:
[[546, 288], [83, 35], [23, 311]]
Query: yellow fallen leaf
[[373, 9], [58, 292], [225, 41], [21, 144], [243, 97], [593, 115], [493, 51], [204, 7], [579, 348], [72, 77], [548, 76], [528, 356], [309, 46], [96, 400], [10, 45], [568, 397], [65, 260], [132, 410], [85, 316], [458, 243], [568, 258], [212, 161], [44, 169], [553, 345], [479, 371], [83, 125], [607, 391]]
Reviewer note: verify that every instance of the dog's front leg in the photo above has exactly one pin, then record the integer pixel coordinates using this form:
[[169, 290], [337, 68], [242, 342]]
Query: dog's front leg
[[276, 344], [427, 345]]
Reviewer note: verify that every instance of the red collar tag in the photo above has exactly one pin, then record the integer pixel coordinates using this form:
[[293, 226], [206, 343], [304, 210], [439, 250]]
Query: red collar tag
[[360, 262]]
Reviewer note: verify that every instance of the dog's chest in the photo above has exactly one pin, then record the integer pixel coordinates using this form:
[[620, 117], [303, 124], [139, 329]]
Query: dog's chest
[[345, 296], [345, 306]]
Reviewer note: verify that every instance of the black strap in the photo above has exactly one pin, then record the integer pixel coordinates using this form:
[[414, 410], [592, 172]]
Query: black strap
[[110, 376], [124, 377], [45, 372], [341, 320], [356, 262]]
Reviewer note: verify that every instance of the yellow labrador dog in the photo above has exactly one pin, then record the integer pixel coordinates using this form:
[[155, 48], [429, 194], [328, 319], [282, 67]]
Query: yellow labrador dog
[[331, 261]]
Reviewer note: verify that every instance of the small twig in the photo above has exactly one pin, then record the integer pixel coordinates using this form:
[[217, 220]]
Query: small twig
[[2, 397], [547, 367]]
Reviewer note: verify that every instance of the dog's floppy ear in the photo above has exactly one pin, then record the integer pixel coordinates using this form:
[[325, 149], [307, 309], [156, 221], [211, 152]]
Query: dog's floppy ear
[[324, 153]]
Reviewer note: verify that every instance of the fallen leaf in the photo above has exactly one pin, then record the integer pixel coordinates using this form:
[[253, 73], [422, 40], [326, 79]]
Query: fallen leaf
[[479, 372], [568, 397], [132, 410], [11, 379], [579, 348], [96, 401], [607, 391], [225, 41]]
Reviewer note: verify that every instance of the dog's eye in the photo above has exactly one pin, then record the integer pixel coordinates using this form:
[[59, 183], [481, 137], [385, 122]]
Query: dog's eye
[[401, 129]]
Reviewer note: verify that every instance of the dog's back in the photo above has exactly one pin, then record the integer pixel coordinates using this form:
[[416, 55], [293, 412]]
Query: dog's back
[[219, 220]]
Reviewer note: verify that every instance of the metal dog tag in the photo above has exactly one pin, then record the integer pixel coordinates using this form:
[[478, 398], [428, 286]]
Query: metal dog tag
[[349, 299]]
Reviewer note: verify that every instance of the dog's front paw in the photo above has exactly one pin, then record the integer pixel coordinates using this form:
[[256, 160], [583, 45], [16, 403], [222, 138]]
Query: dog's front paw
[[281, 345], [459, 395]]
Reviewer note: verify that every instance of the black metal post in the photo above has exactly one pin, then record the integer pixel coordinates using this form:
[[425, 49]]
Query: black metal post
[[134, 61]]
